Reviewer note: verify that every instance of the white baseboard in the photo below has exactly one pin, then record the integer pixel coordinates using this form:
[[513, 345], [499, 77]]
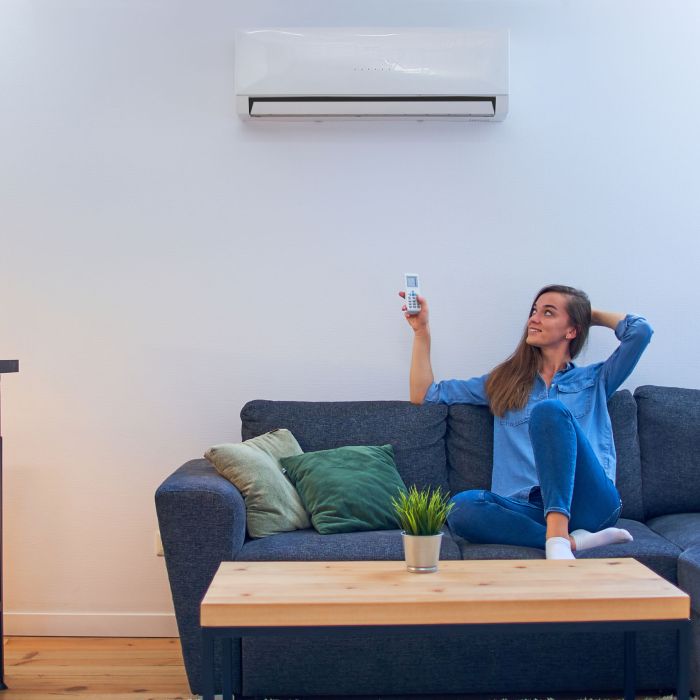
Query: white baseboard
[[51, 624]]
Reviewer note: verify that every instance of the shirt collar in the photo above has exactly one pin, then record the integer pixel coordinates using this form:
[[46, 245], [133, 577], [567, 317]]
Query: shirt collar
[[569, 366]]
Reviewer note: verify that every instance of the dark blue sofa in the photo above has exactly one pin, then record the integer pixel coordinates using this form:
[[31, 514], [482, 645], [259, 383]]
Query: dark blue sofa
[[202, 522]]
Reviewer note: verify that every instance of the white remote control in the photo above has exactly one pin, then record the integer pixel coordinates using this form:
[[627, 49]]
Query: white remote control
[[412, 292]]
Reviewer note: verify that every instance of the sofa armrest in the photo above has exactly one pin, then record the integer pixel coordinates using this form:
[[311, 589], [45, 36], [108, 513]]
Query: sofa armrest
[[202, 521]]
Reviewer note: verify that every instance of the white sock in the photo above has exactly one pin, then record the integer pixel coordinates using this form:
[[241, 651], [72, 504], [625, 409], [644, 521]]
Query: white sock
[[558, 548], [611, 535]]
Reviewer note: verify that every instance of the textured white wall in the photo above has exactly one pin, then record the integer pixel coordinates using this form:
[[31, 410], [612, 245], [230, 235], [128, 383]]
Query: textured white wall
[[161, 263]]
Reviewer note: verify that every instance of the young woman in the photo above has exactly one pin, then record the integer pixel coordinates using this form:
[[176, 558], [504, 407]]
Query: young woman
[[553, 483]]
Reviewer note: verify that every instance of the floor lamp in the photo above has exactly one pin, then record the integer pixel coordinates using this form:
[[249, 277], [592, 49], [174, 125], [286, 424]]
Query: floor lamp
[[5, 366]]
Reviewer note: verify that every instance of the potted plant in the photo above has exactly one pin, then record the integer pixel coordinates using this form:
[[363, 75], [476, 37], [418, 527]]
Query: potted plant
[[422, 514]]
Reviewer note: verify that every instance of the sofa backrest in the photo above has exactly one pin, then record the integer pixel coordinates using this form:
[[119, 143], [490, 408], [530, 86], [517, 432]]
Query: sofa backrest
[[417, 433], [470, 450], [469, 447], [623, 416], [433, 447], [669, 440]]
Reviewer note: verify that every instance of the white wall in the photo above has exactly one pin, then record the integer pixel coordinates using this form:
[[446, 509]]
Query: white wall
[[150, 240]]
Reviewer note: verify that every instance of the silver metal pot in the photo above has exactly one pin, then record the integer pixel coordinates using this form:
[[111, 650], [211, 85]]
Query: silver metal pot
[[422, 552]]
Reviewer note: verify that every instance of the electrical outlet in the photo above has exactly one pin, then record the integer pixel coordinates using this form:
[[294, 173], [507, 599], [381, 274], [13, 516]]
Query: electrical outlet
[[158, 544]]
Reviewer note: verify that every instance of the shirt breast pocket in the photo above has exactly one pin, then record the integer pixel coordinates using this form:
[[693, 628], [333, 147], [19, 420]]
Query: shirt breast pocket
[[578, 396]]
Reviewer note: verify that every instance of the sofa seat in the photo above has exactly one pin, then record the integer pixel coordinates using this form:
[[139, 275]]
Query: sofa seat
[[309, 545], [469, 550], [682, 529], [648, 547]]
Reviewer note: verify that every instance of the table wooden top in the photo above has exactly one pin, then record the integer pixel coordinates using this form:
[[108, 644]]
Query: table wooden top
[[279, 594]]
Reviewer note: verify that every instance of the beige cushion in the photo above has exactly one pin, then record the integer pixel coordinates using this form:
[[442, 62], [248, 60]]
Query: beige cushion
[[253, 467]]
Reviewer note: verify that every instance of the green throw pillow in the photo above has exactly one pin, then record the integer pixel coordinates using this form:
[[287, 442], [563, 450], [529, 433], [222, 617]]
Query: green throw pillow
[[271, 502], [347, 489]]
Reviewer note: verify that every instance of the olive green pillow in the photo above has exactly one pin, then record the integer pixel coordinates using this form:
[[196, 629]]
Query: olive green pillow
[[347, 489], [272, 504]]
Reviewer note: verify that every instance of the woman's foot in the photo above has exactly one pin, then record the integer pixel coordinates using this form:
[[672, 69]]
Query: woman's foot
[[611, 535], [558, 548]]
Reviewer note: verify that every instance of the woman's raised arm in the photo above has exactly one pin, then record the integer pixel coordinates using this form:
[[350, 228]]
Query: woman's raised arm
[[634, 334], [421, 374], [609, 319]]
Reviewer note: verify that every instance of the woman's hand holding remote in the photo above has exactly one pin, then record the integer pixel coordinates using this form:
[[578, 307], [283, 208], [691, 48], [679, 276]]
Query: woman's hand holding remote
[[419, 321]]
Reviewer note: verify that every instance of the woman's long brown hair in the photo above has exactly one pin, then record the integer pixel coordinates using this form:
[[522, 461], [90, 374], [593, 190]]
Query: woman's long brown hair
[[509, 384]]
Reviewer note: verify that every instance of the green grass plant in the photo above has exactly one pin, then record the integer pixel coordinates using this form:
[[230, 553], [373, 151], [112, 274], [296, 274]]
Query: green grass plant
[[422, 512]]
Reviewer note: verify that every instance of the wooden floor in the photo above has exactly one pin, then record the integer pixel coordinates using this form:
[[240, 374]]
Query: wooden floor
[[94, 668], [103, 668]]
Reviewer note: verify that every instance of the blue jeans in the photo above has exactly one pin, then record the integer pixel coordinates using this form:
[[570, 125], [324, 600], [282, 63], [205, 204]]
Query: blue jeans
[[572, 482]]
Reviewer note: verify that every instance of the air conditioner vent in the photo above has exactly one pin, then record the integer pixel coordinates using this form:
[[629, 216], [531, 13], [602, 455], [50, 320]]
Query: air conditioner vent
[[355, 106]]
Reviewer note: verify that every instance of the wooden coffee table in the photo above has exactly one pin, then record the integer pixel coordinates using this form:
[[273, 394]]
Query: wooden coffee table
[[305, 598]]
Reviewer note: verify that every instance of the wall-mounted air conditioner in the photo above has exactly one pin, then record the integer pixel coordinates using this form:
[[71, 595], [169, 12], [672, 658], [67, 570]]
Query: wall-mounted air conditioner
[[371, 73]]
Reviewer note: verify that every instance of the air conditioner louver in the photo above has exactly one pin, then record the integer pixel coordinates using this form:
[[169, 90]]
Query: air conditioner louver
[[330, 107]]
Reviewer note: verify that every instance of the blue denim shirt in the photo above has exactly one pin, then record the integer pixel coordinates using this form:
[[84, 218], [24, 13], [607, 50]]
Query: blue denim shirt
[[585, 390]]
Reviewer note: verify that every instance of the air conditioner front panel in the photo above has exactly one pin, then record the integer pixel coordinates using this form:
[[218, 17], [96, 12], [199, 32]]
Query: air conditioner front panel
[[375, 62]]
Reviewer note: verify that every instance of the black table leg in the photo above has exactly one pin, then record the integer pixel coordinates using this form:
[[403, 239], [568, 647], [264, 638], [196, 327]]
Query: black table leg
[[683, 682], [630, 665], [207, 664], [226, 681]]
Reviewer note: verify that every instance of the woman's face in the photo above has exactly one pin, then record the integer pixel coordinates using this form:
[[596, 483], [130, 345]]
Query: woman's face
[[549, 325]]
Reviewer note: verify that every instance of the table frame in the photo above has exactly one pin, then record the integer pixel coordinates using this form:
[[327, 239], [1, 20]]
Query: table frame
[[628, 627]]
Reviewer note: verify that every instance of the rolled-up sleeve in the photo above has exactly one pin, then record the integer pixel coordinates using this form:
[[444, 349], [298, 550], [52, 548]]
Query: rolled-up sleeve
[[449, 391], [634, 334]]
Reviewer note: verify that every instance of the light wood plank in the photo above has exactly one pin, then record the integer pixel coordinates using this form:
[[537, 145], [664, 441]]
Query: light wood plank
[[268, 594], [105, 668]]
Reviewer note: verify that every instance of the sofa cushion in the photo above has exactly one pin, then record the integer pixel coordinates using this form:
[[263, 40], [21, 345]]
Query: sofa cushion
[[669, 441], [347, 489], [253, 467], [628, 479], [309, 545], [417, 433], [683, 529], [689, 575]]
